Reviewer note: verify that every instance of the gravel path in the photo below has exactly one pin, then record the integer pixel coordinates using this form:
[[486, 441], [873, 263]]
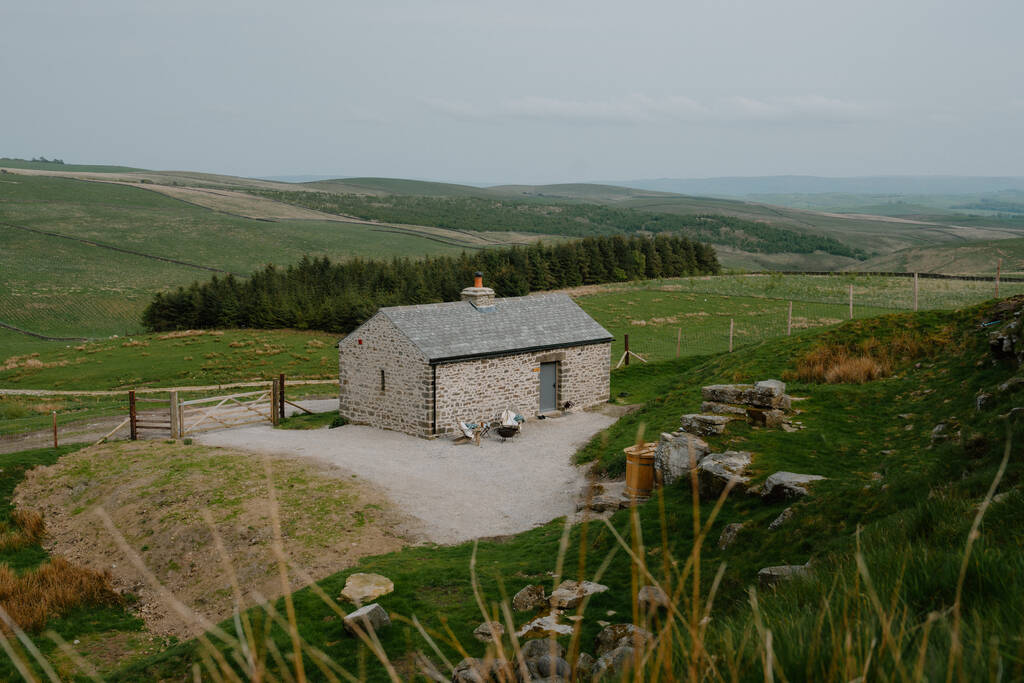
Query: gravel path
[[456, 493]]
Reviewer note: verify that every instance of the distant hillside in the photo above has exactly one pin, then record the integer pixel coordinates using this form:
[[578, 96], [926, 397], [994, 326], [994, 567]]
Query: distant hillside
[[60, 166], [798, 184], [965, 258]]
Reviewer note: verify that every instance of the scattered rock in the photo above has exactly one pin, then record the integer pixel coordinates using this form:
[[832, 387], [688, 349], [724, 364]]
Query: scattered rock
[[1012, 384], [876, 476], [703, 425], [361, 588], [722, 409], [618, 635], [728, 536], [906, 416], [584, 667], [716, 470], [940, 432], [472, 670], [652, 598], [612, 665], [570, 593], [787, 485], [489, 631], [529, 598], [548, 667], [547, 626], [983, 400], [675, 453], [783, 517], [772, 576], [787, 427], [532, 649], [765, 417], [365, 618]]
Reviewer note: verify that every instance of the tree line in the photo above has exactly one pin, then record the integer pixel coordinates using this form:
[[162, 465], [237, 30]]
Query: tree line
[[573, 219], [337, 297]]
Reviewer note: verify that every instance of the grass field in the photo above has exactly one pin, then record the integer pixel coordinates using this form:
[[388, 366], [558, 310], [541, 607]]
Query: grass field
[[895, 509], [62, 286], [158, 360], [697, 311]]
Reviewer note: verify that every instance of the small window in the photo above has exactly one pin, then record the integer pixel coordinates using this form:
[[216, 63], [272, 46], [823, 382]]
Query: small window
[[382, 380]]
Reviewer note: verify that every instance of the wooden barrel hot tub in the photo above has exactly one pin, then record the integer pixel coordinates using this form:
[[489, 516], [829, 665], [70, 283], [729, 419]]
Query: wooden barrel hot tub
[[640, 470]]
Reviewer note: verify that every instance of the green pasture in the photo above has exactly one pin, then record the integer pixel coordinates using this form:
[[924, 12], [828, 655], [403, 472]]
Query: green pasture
[[61, 287], [695, 313], [155, 360]]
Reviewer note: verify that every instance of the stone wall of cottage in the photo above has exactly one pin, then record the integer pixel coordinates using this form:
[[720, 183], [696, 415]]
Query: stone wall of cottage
[[404, 405], [479, 390]]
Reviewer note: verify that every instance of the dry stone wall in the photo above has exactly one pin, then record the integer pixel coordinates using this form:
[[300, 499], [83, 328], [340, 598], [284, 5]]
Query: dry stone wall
[[479, 390], [404, 405]]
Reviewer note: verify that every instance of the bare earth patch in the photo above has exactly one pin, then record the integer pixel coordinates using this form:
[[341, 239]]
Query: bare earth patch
[[155, 494]]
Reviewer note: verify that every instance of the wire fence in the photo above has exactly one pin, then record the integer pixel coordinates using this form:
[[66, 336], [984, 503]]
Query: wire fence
[[667, 319]]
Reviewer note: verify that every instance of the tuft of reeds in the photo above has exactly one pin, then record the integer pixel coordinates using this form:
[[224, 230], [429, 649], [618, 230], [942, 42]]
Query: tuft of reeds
[[836, 365], [28, 529], [51, 590]]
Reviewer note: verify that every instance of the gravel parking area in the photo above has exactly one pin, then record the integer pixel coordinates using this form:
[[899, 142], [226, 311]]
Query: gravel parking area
[[452, 493]]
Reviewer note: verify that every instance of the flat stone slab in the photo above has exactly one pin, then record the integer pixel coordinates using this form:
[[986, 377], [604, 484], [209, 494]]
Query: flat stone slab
[[570, 593], [786, 485], [766, 394], [703, 425], [547, 626], [722, 409], [361, 588]]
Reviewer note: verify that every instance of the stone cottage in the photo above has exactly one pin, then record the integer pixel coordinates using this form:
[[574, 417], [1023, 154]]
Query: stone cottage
[[422, 369]]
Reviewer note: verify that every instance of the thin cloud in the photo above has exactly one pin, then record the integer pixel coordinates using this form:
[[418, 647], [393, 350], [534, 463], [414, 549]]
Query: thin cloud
[[644, 109]]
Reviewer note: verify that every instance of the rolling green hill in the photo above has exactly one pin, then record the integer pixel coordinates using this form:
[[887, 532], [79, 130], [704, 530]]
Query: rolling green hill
[[976, 258], [83, 258]]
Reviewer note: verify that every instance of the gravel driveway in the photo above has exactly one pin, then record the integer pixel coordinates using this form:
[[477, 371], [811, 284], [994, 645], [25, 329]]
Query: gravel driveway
[[455, 493]]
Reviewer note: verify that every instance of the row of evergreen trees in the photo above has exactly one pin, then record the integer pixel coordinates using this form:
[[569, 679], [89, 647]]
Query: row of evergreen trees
[[338, 297]]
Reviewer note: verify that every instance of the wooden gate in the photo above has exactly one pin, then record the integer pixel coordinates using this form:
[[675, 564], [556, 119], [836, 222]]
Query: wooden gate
[[234, 410]]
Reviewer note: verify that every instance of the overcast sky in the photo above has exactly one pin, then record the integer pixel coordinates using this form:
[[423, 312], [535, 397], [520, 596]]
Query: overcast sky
[[518, 91]]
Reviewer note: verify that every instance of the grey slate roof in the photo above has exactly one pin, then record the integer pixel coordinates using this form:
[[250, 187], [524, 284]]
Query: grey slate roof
[[458, 330]]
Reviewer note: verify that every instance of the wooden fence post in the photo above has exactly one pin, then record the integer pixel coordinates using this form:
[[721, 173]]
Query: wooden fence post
[[280, 392], [173, 416], [999, 267], [789, 320], [274, 393], [132, 416], [915, 291], [626, 339], [851, 301], [679, 340], [731, 328], [55, 429]]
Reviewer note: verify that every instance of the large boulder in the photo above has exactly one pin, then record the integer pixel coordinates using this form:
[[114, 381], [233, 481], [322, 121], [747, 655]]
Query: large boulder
[[367, 618], [361, 588], [570, 593], [529, 598], [547, 667], [675, 453], [703, 425], [766, 417], [772, 576], [584, 667], [787, 485], [716, 470]]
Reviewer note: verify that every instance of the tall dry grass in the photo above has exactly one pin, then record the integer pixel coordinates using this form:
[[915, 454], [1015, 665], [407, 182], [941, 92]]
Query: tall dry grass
[[836, 365], [28, 529], [51, 590]]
